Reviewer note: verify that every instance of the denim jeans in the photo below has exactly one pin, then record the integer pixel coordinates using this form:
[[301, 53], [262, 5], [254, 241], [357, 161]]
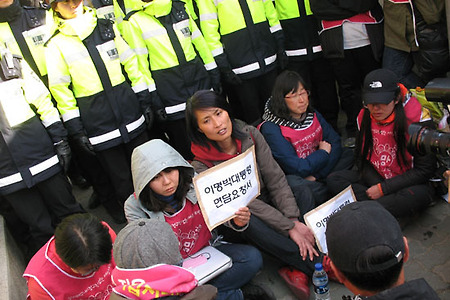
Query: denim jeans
[[247, 261], [401, 63]]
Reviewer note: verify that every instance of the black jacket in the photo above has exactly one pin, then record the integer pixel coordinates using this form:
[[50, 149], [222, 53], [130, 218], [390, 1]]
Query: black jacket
[[332, 39], [417, 289]]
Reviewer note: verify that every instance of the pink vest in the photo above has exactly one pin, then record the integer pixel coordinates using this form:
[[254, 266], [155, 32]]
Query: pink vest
[[384, 154], [53, 275], [190, 228], [306, 140], [152, 282]]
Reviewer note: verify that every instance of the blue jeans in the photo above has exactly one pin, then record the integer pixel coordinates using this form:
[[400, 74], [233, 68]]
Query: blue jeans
[[247, 261], [401, 63]]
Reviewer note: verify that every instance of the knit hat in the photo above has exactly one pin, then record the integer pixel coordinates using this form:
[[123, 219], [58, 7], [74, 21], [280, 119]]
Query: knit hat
[[380, 86], [144, 243], [359, 227]]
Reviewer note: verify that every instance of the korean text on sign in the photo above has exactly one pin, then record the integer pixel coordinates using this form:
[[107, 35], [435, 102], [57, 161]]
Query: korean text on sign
[[223, 189]]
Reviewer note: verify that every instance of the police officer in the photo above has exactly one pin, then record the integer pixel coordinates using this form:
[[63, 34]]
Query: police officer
[[24, 30], [247, 42], [102, 112], [33, 151], [167, 41]]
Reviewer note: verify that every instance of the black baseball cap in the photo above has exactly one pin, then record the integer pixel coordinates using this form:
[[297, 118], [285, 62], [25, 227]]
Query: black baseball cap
[[380, 86], [359, 227]]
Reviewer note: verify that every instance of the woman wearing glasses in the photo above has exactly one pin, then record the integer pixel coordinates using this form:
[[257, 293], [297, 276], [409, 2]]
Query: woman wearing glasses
[[305, 146]]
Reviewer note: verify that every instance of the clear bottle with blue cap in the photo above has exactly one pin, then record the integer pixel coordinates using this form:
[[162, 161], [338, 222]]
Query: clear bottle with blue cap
[[320, 282]]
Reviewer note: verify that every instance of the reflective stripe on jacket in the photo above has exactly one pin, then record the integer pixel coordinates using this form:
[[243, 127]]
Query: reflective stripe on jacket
[[89, 86], [166, 47], [244, 31], [27, 154], [300, 29], [34, 26]]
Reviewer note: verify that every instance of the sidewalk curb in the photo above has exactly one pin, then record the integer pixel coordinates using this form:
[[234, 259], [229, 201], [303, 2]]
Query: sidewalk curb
[[12, 284]]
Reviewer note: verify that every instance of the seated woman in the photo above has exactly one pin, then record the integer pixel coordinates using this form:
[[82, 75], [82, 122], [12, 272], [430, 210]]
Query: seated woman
[[76, 263], [388, 172], [302, 142], [274, 224], [163, 190]]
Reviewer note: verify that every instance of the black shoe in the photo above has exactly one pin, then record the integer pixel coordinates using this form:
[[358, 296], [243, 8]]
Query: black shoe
[[94, 201], [79, 181], [253, 291], [349, 142], [115, 211]]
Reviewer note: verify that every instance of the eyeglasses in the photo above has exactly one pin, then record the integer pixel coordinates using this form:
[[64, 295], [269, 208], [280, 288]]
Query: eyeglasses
[[303, 93]]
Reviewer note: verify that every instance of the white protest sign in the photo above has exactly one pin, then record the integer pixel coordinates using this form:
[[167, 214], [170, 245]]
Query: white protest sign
[[223, 189], [317, 218]]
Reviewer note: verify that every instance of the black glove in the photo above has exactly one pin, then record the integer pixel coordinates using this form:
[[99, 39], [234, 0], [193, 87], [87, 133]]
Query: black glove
[[230, 77], [145, 101], [158, 108], [161, 115], [282, 59], [148, 115], [83, 143], [151, 104], [64, 154], [214, 75]]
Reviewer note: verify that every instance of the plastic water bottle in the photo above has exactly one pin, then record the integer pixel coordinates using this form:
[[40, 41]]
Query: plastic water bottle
[[320, 282]]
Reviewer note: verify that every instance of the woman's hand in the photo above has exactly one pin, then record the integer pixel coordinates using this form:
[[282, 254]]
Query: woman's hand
[[304, 238], [325, 146], [374, 192], [242, 216]]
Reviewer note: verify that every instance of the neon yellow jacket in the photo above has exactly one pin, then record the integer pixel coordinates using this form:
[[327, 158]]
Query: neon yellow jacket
[[166, 41], [109, 110], [249, 36], [36, 28], [26, 140]]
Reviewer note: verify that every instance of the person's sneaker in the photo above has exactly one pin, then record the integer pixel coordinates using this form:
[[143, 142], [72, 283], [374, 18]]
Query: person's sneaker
[[297, 281], [253, 291], [326, 264]]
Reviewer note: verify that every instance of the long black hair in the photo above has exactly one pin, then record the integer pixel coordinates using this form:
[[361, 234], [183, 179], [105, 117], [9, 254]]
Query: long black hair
[[150, 200], [285, 83], [364, 141], [205, 99]]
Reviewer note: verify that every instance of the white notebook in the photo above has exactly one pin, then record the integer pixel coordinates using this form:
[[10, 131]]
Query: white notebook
[[207, 264]]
